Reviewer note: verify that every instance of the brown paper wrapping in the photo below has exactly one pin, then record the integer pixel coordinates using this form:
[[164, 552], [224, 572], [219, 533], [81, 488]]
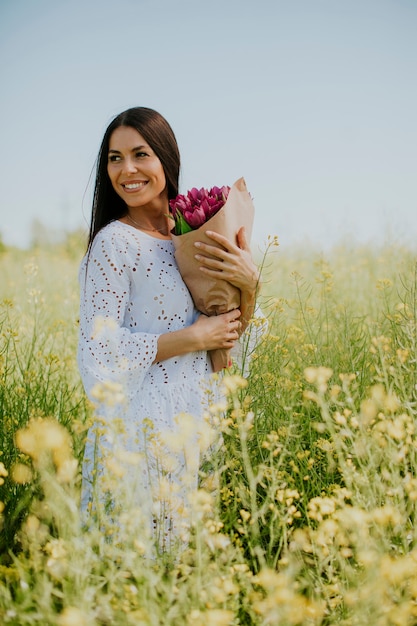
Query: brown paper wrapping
[[215, 296]]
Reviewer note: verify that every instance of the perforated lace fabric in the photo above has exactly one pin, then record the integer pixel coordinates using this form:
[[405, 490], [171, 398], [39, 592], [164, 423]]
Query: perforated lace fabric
[[132, 292]]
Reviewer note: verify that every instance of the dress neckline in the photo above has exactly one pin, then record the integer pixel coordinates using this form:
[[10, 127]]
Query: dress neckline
[[156, 237]]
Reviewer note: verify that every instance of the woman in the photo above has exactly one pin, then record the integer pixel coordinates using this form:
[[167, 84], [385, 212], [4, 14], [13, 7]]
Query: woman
[[143, 347]]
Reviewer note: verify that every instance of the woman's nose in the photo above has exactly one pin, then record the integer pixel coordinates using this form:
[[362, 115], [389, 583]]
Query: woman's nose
[[129, 165]]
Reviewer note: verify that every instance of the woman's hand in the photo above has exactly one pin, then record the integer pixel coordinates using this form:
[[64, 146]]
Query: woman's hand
[[206, 333], [231, 262], [218, 331]]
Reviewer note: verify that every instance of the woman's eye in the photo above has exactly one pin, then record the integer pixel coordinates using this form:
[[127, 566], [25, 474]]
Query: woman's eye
[[113, 158], [141, 154]]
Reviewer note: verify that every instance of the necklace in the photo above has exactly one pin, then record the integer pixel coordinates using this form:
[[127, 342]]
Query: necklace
[[151, 230]]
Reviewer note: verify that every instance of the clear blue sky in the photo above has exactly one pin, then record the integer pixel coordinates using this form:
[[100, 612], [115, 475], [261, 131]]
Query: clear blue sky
[[313, 101]]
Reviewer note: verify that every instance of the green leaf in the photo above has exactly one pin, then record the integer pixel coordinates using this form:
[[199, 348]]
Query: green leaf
[[181, 226]]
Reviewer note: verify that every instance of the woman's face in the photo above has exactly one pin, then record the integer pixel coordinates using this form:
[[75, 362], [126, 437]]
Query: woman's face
[[135, 171]]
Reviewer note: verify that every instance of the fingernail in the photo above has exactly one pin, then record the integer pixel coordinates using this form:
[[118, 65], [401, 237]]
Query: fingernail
[[197, 244]]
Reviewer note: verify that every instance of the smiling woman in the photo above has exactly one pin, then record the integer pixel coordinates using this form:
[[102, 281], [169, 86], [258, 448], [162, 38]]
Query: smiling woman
[[136, 136], [138, 178], [143, 346]]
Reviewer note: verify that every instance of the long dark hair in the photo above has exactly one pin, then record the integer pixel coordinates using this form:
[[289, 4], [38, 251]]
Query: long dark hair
[[107, 204]]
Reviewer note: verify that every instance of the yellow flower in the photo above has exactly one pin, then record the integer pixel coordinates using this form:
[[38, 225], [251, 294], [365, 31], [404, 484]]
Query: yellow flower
[[212, 617], [115, 468], [398, 570], [56, 548], [71, 616], [207, 435], [369, 410], [45, 436], [183, 437], [387, 516], [395, 429], [231, 384], [318, 376], [301, 540], [3, 472], [217, 541], [109, 393], [201, 501], [21, 473], [318, 508], [273, 240], [340, 419], [67, 470], [403, 355], [268, 578]]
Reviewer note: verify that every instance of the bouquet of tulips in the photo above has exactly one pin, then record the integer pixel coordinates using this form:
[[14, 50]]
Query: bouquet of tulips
[[227, 209], [196, 208]]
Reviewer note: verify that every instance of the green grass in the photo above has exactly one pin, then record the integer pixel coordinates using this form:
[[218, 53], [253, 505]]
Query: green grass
[[306, 515]]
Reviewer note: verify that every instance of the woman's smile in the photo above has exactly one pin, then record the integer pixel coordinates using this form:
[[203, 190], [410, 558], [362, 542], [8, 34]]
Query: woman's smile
[[134, 186]]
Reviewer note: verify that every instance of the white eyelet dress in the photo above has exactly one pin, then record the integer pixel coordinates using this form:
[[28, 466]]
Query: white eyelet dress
[[132, 292]]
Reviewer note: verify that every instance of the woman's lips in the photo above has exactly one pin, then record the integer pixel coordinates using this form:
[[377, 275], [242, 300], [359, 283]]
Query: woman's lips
[[134, 186]]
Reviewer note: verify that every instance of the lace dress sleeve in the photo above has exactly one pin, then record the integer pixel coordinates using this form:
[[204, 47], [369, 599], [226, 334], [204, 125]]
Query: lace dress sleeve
[[110, 351]]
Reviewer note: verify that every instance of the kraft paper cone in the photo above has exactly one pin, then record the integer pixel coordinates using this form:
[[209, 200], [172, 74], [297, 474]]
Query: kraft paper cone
[[215, 296], [220, 359]]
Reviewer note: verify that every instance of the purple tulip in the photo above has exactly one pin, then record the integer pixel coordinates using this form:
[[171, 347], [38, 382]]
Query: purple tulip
[[197, 206], [195, 218]]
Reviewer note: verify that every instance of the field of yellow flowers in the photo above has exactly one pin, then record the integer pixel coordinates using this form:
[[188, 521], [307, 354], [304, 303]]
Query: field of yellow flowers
[[305, 516]]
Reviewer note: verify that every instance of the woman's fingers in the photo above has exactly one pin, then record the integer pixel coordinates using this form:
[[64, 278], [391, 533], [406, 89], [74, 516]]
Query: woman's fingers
[[232, 315], [229, 253], [230, 262], [242, 240], [232, 324], [220, 239], [221, 331], [213, 251]]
